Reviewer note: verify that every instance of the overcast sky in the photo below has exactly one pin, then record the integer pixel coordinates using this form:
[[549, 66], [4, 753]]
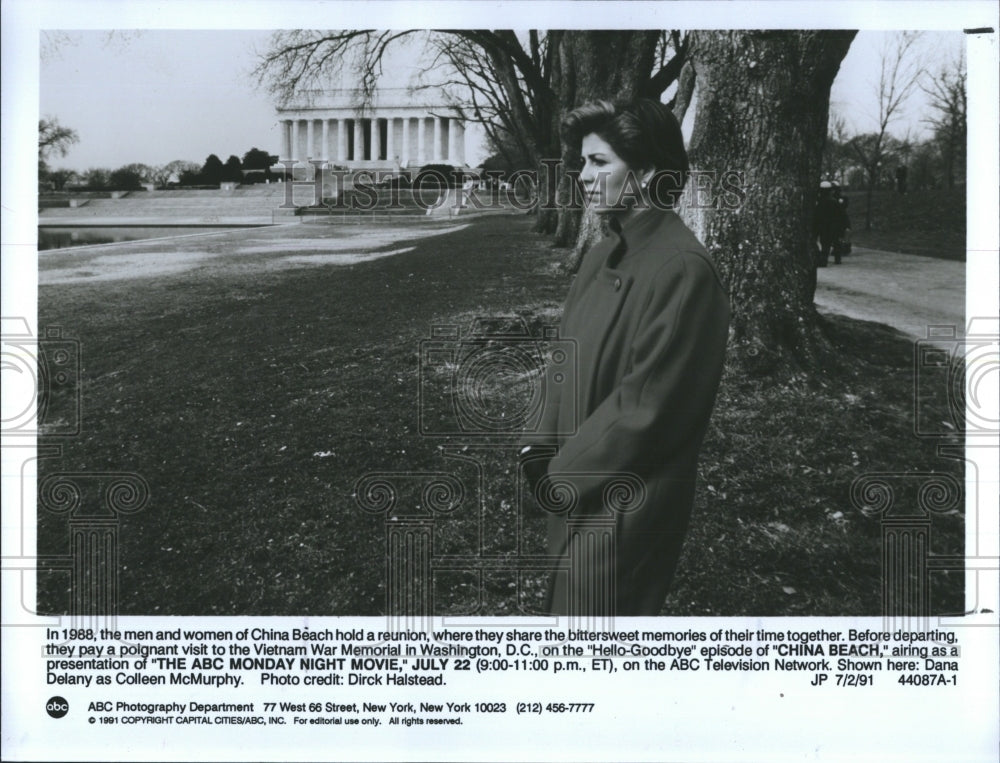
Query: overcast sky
[[155, 96]]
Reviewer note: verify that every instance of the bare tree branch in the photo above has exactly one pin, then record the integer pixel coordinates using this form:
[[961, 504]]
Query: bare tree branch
[[671, 69], [947, 93], [898, 77], [54, 138]]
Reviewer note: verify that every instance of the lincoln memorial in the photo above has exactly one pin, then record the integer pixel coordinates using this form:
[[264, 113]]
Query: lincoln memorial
[[396, 130]]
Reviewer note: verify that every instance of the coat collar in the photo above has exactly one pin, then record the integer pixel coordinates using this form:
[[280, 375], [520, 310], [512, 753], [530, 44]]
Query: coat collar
[[636, 231]]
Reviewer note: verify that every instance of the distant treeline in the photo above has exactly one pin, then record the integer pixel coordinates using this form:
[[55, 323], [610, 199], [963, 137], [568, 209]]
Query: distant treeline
[[254, 167]]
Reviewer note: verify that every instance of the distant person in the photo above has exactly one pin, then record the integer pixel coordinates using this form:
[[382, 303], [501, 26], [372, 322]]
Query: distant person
[[827, 225], [844, 239], [901, 177]]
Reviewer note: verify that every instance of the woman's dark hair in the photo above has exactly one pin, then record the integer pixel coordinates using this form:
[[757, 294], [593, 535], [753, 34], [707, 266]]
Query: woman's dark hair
[[644, 133]]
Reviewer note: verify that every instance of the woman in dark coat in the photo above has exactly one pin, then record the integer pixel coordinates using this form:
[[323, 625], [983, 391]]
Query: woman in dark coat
[[650, 320]]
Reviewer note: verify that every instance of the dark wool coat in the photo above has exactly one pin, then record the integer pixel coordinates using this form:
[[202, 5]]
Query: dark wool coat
[[650, 319]]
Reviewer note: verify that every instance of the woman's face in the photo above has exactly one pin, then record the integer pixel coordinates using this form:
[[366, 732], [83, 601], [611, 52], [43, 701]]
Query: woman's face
[[610, 186]]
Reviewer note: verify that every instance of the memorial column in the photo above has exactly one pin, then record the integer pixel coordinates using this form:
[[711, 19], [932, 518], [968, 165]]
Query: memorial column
[[359, 142], [286, 139], [310, 140], [404, 158], [341, 140], [456, 138], [376, 140], [390, 142], [297, 140]]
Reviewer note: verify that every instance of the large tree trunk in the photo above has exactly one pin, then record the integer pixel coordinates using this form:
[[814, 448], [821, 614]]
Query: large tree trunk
[[552, 179], [762, 109]]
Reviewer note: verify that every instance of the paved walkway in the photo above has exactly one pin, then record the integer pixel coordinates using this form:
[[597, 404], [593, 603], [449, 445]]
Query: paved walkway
[[905, 291]]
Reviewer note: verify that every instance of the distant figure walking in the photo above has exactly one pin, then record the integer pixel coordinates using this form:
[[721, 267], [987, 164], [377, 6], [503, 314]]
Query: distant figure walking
[[901, 176], [844, 243], [829, 224]]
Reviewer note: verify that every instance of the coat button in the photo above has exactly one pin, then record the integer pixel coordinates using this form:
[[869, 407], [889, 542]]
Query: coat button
[[618, 284]]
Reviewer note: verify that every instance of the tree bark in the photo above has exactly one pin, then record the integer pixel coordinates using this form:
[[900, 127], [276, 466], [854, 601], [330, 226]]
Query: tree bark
[[762, 110], [685, 90], [552, 183]]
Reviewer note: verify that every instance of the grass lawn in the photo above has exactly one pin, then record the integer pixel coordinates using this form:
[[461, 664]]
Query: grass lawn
[[930, 223], [252, 399]]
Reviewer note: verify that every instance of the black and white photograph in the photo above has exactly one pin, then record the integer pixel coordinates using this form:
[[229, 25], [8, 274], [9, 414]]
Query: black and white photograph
[[603, 320]]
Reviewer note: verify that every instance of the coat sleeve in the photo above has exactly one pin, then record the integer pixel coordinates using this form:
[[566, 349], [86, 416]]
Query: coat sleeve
[[662, 404]]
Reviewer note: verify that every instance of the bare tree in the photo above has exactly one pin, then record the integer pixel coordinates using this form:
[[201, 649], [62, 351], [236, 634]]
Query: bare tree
[[59, 178], [53, 138], [160, 175], [948, 101], [836, 155], [763, 108], [480, 89], [899, 74], [522, 84], [507, 79], [54, 43], [97, 178], [298, 61]]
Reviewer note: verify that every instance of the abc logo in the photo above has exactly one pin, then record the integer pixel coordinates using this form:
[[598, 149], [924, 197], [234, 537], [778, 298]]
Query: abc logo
[[57, 707]]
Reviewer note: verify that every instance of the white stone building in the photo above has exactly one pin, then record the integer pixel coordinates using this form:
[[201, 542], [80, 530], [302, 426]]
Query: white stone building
[[396, 130]]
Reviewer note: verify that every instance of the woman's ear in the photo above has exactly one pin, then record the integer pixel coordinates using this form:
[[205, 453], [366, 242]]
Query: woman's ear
[[647, 175]]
